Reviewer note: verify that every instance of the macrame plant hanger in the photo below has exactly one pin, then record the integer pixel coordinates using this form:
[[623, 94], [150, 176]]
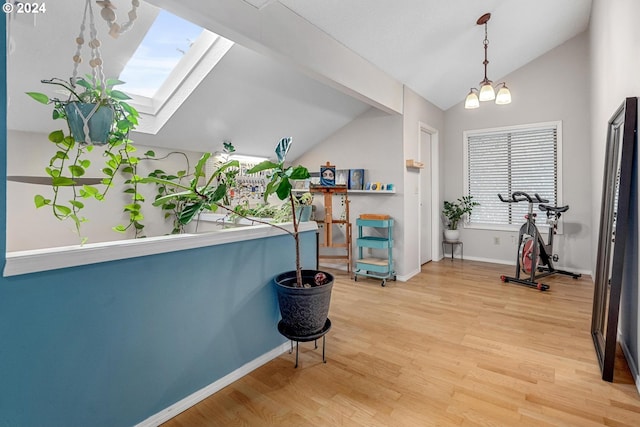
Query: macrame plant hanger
[[97, 72], [109, 15]]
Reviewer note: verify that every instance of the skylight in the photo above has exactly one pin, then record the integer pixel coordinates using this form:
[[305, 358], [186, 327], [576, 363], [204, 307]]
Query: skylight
[[174, 57], [162, 49]]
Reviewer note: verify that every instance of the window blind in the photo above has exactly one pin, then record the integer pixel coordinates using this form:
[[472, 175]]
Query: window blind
[[507, 160]]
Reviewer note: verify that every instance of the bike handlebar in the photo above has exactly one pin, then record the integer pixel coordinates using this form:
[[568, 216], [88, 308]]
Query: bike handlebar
[[521, 196]]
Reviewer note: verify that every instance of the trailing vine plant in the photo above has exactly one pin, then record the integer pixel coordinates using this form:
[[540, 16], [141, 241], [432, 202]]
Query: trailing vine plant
[[69, 164]]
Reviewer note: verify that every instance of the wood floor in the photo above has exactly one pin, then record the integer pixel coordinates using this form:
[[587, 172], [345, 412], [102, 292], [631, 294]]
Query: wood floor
[[453, 346]]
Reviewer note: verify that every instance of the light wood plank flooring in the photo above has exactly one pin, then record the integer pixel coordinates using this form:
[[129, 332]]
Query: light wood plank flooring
[[453, 346]]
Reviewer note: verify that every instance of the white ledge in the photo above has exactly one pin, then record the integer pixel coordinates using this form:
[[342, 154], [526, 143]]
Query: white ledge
[[31, 261]]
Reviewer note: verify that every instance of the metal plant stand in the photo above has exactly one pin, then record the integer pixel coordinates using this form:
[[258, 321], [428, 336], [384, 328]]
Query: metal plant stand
[[298, 339]]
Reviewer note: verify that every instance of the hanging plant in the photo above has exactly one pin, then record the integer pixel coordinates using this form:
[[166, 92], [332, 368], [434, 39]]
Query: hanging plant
[[96, 115], [69, 164]]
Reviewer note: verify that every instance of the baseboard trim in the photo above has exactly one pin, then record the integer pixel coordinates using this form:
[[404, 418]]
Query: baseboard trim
[[194, 398], [513, 264], [632, 366], [405, 277]]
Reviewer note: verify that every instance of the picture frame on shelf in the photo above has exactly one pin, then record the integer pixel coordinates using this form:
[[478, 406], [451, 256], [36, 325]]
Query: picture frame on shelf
[[356, 179], [328, 175], [342, 177], [314, 178]]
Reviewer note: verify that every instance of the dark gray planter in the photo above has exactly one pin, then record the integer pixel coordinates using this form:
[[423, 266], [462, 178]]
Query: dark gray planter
[[304, 310]]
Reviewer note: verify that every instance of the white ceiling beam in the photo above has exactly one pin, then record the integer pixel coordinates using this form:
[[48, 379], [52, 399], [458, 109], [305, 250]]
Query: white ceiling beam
[[277, 31]]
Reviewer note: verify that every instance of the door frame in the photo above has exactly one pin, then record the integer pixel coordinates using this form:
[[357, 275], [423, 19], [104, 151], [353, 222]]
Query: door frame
[[434, 169]]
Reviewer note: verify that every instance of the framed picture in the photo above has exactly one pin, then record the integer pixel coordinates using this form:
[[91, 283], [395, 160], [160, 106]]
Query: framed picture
[[342, 176], [328, 175], [314, 178], [300, 184], [356, 179]]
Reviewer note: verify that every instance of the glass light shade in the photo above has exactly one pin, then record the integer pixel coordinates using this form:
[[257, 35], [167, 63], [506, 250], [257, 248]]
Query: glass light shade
[[486, 92], [504, 96], [471, 101]]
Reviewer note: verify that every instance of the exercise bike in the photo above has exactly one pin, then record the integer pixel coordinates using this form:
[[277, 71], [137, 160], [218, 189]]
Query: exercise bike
[[534, 255]]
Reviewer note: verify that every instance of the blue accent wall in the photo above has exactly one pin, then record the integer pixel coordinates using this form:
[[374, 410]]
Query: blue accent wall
[[112, 344]]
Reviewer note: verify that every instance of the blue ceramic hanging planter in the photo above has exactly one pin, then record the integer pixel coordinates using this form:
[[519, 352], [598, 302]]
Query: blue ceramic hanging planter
[[98, 122]]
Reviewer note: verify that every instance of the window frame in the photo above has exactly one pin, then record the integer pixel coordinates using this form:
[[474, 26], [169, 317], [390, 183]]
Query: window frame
[[544, 228]]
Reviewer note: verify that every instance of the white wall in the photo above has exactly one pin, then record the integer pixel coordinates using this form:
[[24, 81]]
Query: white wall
[[615, 61], [552, 87], [419, 112], [31, 228], [373, 142]]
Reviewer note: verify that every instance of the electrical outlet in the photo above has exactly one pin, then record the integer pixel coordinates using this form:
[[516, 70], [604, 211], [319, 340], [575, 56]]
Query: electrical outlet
[[496, 240]]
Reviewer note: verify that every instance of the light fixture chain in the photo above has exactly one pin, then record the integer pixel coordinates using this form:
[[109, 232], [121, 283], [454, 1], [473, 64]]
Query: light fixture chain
[[485, 42], [486, 91]]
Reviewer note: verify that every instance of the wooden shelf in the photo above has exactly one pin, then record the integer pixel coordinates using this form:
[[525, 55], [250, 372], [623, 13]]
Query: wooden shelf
[[346, 191], [372, 191]]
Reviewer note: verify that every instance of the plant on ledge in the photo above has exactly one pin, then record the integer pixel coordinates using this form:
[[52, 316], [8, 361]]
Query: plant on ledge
[[454, 211], [187, 201], [96, 114]]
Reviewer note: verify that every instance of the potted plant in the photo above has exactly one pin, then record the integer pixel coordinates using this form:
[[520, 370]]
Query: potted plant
[[187, 200], [304, 206], [89, 102], [452, 214], [303, 295]]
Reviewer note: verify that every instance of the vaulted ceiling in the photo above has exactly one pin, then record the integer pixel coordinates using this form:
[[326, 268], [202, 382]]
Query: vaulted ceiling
[[433, 47]]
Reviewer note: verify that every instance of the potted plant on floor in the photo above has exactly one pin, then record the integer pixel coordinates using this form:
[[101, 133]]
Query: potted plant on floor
[[303, 295], [453, 213]]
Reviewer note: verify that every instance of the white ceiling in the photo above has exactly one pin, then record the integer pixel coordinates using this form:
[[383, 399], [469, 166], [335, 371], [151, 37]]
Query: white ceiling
[[433, 46]]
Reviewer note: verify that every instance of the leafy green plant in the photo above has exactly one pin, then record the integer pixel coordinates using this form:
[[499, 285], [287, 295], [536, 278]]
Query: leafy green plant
[[188, 200], [280, 177], [69, 163], [171, 207], [454, 211], [213, 195]]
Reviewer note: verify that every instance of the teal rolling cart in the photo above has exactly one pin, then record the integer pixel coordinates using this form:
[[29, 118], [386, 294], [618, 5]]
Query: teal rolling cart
[[379, 264]]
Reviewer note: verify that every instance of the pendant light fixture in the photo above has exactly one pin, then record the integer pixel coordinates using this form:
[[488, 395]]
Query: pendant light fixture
[[487, 91]]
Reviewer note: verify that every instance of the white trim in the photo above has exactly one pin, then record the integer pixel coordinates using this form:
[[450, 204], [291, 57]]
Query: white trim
[[31, 261], [406, 277], [632, 366], [434, 169], [197, 397], [465, 166], [511, 263], [198, 62], [503, 129]]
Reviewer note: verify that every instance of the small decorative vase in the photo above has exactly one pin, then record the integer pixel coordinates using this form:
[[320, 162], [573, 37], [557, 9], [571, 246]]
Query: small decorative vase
[[451, 235], [303, 213]]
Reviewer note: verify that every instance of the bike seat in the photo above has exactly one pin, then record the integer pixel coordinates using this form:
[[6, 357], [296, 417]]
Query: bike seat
[[556, 209]]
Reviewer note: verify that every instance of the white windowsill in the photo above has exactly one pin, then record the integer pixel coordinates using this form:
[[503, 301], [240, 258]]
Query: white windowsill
[[31, 261]]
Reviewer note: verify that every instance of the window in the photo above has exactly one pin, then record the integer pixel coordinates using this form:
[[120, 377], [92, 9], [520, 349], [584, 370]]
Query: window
[[503, 160], [165, 44]]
